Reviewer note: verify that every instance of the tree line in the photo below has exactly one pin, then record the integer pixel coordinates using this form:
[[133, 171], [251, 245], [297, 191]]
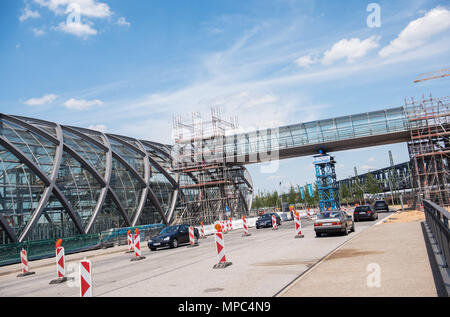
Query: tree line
[[348, 194]]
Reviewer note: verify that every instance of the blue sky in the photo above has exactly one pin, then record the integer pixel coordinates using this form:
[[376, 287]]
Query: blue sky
[[128, 66]]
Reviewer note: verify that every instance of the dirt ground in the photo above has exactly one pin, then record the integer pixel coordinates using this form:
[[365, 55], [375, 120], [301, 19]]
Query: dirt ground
[[406, 216]]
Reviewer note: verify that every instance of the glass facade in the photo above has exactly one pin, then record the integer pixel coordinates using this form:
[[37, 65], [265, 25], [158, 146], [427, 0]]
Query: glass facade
[[58, 181]]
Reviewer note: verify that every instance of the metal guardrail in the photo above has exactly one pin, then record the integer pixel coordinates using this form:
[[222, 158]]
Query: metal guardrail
[[438, 220], [40, 249]]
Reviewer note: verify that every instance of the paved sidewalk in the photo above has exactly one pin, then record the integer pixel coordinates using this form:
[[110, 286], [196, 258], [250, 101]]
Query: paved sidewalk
[[398, 249]]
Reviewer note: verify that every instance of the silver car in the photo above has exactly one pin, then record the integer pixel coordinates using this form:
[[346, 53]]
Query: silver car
[[333, 221]]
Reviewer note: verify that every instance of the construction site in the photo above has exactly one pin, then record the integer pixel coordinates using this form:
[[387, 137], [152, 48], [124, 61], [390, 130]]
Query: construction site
[[212, 188]]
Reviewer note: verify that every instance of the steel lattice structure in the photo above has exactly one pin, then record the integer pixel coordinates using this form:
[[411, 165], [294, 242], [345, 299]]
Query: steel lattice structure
[[58, 180]]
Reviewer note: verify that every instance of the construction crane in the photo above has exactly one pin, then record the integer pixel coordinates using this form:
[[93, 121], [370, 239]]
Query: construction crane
[[433, 75]]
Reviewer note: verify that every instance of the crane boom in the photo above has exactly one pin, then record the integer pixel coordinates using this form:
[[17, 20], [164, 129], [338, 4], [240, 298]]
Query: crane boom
[[433, 75]]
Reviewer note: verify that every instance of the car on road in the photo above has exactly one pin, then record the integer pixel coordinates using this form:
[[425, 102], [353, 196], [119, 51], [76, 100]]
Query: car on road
[[334, 221], [365, 212], [265, 220], [172, 237], [381, 205]]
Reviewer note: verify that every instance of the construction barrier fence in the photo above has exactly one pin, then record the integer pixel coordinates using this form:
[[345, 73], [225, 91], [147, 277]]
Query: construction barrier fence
[[39, 249]]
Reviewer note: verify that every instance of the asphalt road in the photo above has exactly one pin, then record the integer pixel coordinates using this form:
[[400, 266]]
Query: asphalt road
[[263, 264]]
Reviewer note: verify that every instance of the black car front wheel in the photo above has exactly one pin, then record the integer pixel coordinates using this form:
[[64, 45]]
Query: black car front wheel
[[174, 243]]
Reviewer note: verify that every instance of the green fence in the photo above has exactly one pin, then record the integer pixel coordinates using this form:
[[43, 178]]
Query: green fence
[[10, 253]]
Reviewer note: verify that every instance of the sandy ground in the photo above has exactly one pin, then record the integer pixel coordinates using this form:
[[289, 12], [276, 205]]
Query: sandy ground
[[405, 216]]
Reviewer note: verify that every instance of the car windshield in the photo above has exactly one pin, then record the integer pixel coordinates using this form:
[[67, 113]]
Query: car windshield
[[266, 216], [328, 215], [362, 208], [168, 230], [380, 202]]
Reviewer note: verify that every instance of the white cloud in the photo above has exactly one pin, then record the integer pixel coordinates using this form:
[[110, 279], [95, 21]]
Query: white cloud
[[27, 13], [305, 61], [38, 32], [78, 29], [417, 32], [98, 127], [89, 8], [82, 104], [40, 101], [350, 49], [366, 167], [123, 22]]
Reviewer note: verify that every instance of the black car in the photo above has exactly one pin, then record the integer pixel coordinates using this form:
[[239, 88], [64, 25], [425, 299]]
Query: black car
[[365, 212], [265, 220], [381, 205], [171, 236]]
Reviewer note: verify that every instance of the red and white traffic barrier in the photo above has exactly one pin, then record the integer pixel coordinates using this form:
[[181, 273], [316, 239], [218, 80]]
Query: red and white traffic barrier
[[130, 242], [274, 223], [220, 247], [223, 226], [245, 225], [298, 226], [202, 231], [60, 264], [137, 246], [85, 278], [230, 224], [192, 240], [24, 261]]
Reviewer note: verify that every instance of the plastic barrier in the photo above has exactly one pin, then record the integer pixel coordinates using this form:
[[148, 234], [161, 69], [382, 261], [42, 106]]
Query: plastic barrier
[[192, 240], [85, 278], [25, 267], [220, 247]]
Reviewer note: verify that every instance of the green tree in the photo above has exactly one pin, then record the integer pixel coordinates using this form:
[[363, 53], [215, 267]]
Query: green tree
[[372, 186]]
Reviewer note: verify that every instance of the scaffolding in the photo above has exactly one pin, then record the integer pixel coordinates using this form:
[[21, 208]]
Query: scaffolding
[[429, 148], [212, 189], [327, 185]]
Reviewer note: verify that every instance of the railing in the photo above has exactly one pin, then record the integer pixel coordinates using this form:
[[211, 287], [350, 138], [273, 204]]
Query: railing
[[438, 220]]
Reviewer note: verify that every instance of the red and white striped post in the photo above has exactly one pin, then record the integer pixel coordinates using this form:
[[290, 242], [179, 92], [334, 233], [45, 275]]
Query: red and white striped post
[[230, 224], [202, 231], [298, 226], [137, 246], [85, 278], [60, 264], [223, 226], [244, 223], [192, 240], [220, 247], [130, 242], [274, 223], [24, 261]]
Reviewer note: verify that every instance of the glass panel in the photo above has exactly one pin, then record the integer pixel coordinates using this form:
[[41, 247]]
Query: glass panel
[[108, 217], [20, 191], [149, 214], [79, 187], [126, 187], [130, 156], [54, 223], [95, 156], [36, 148]]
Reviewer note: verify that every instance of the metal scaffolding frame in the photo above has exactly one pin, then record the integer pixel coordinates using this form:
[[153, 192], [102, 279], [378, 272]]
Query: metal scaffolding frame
[[211, 187], [429, 148]]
